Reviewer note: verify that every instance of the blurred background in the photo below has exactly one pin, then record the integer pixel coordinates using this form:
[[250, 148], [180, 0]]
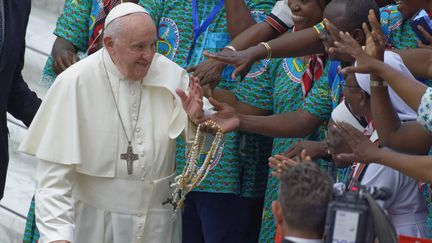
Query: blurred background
[[20, 181]]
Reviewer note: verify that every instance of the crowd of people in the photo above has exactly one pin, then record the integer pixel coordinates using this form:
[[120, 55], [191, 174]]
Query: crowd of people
[[308, 93]]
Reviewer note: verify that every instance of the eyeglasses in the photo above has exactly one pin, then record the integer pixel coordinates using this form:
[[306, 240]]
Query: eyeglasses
[[345, 85]]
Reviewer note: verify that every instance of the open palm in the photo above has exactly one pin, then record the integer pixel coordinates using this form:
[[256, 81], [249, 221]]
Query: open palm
[[193, 101]]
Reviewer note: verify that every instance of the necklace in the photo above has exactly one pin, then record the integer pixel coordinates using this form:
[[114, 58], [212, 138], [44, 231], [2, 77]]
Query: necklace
[[129, 156], [193, 174]]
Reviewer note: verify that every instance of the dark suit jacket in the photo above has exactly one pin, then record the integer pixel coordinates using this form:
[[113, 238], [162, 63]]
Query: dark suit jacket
[[15, 96], [286, 241]]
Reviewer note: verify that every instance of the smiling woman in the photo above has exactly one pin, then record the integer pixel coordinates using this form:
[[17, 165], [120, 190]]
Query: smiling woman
[[304, 12]]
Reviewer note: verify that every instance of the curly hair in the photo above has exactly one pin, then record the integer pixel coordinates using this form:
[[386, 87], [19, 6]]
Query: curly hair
[[305, 192]]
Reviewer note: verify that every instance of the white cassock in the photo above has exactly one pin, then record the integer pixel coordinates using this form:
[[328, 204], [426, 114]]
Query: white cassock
[[84, 193]]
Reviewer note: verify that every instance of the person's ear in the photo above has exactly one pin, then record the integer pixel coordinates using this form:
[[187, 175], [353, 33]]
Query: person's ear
[[108, 43], [359, 36], [277, 212]]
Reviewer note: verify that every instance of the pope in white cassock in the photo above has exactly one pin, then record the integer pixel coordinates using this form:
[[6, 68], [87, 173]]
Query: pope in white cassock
[[105, 136]]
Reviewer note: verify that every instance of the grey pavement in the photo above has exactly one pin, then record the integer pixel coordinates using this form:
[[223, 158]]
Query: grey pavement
[[20, 181]]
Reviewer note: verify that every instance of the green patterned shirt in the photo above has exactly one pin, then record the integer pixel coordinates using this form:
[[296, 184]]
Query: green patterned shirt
[[235, 171]]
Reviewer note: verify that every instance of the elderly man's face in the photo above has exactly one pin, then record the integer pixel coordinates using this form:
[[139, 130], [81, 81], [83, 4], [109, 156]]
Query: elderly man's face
[[134, 48]]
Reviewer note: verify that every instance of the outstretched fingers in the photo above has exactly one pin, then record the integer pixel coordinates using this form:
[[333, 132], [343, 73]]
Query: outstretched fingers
[[366, 30], [182, 94], [373, 21], [229, 58], [332, 29]]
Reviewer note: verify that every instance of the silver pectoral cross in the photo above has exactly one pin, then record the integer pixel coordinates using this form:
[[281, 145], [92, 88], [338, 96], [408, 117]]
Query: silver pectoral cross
[[130, 157]]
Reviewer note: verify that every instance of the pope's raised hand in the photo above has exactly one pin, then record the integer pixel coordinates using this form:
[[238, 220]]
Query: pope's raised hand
[[193, 101]]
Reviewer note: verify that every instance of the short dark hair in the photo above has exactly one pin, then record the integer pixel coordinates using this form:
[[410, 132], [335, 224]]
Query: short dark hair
[[305, 192], [323, 3], [357, 11]]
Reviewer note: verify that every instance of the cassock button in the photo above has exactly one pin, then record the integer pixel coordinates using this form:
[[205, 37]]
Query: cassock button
[[132, 92], [135, 105], [135, 118], [138, 130], [140, 141], [142, 154], [142, 166]]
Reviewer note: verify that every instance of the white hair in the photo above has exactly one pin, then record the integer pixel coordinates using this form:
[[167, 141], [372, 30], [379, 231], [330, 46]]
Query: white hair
[[114, 29]]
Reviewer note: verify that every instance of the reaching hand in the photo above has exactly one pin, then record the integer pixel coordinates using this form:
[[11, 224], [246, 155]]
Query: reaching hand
[[209, 73], [63, 59], [63, 54], [427, 36], [375, 38], [364, 150], [312, 149], [241, 60], [226, 116], [370, 59], [193, 102], [334, 51]]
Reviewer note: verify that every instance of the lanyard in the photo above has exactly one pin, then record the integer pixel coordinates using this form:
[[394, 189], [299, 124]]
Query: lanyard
[[199, 29]]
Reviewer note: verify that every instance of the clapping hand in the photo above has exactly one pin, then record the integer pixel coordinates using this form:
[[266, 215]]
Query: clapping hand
[[193, 101], [363, 150], [311, 149], [280, 163]]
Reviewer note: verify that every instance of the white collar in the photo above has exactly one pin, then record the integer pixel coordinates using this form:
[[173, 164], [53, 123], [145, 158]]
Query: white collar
[[302, 240]]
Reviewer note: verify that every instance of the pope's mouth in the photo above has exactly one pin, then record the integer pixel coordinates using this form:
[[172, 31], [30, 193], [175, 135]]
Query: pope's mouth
[[142, 64]]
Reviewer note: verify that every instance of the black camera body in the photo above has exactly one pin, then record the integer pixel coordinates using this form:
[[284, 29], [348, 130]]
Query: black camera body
[[349, 216], [349, 219]]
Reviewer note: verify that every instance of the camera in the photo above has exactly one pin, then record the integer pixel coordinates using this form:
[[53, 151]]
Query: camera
[[349, 216]]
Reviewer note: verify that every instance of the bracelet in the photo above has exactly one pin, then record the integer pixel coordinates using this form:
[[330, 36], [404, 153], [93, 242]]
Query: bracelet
[[232, 48], [319, 27], [268, 48], [378, 84]]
